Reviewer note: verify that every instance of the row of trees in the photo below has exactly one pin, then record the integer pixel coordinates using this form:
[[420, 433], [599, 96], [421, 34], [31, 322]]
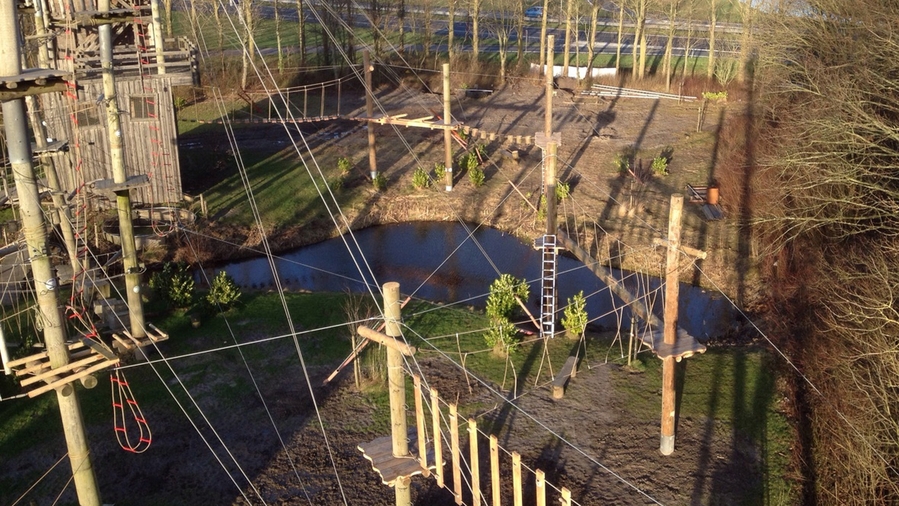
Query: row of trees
[[825, 199], [329, 31]]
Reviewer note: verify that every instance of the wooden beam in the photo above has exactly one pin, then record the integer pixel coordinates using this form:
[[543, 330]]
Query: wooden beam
[[475, 461], [420, 425], [494, 470], [516, 479], [438, 437], [456, 458], [387, 341], [540, 484]]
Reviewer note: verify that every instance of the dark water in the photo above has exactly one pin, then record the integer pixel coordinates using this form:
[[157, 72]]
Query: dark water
[[440, 262]]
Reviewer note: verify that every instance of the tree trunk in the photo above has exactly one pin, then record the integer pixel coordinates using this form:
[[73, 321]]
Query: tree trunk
[[249, 56], [301, 32], [620, 34], [429, 19], [519, 28], [168, 18], [401, 18], [640, 38], [566, 51], [591, 39], [672, 15], [475, 39], [712, 25], [549, 65], [451, 30], [278, 36], [745, 63]]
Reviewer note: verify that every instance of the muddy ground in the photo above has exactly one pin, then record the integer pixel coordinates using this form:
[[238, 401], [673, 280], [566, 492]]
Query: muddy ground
[[607, 450]]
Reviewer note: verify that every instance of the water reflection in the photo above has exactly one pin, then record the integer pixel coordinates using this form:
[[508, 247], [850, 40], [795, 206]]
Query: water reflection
[[450, 262]]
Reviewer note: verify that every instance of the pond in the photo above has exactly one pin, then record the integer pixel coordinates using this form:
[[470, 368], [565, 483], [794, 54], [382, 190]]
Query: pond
[[455, 263]]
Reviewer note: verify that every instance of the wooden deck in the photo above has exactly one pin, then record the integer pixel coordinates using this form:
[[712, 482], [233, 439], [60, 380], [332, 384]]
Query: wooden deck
[[685, 347], [380, 453]]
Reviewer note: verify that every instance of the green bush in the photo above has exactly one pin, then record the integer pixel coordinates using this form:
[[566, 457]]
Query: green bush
[[660, 166], [715, 96], [420, 179], [224, 292], [501, 301], [541, 208], [471, 161], [574, 317], [476, 176], [502, 335], [622, 163], [439, 171], [174, 284], [344, 164], [563, 190], [380, 182]]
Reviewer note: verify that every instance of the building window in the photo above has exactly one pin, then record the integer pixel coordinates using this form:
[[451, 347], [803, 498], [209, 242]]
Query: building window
[[87, 117], [143, 107]]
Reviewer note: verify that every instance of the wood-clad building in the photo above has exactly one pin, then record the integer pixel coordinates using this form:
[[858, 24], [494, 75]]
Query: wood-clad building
[[144, 93]]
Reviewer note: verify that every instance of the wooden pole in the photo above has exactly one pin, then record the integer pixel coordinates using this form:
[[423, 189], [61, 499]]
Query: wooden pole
[[438, 436], [403, 491], [420, 425], [566, 497], [119, 175], [475, 462], [494, 471], [370, 112], [395, 375], [447, 133], [540, 484], [454, 442], [670, 324], [45, 282], [516, 479], [158, 41], [550, 154]]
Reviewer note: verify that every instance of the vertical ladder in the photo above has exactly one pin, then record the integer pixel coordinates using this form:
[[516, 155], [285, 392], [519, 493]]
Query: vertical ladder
[[548, 288]]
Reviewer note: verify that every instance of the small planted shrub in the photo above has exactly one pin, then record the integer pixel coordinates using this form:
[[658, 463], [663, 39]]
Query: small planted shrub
[[622, 163], [420, 179], [501, 302], [660, 166], [174, 284], [224, 292], [502, 336], [439, 171], [715, 96], [574, 318], [344, 165], [476, 176], [563, 190], [380, 182]]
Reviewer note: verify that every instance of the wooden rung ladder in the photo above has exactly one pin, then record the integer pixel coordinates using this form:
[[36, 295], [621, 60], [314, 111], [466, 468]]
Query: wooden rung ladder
[[129, 342], [548, 288]]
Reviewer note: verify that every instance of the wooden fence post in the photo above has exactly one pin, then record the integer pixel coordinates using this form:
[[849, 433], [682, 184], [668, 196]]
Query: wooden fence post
[[475, 467], [420, 424], [454, 442], [438, 436], [516, 479], [494, 470]]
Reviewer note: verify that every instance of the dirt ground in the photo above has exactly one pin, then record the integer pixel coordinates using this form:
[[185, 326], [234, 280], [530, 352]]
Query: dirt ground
[[608, 451]]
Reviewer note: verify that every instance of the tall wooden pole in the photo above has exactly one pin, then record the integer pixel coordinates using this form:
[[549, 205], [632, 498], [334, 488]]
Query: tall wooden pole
[[396, 380], [670, 324], [158, 42], [119, 176], [45, 283], [447, 134], [549, 162], [370, 111]]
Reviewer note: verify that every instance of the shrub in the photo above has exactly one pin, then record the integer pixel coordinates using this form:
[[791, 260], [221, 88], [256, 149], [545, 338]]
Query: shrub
[[476, 176], [502, 335], [336, 183], [344, 164], [574, 317], [563, 190], [541, 208], [622, 163], [174, 284], [439, 171], [660, 166], [715, 96], [501, 301], [380, 182], [420, 179], [224, 292]]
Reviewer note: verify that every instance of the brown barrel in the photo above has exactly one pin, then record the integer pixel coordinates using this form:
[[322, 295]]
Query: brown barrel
[[712, 195]]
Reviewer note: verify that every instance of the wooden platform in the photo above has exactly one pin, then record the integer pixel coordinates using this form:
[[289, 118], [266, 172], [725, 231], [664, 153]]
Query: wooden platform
[[85, 357], [685, 347], [129, 343], [380, 453]]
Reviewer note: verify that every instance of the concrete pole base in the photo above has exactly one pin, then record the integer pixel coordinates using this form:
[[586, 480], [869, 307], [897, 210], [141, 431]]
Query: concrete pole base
[[667, 446]]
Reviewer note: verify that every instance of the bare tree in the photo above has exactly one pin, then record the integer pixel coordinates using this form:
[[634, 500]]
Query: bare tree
[[248, 12], [500, 22], [620, 36], [475, 38], [830, 196], [591, 38], [672, 25], [277, 10], [549, 64], [451, 30], [747, 16], [301, 31], [566, 50], [713, 26]]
